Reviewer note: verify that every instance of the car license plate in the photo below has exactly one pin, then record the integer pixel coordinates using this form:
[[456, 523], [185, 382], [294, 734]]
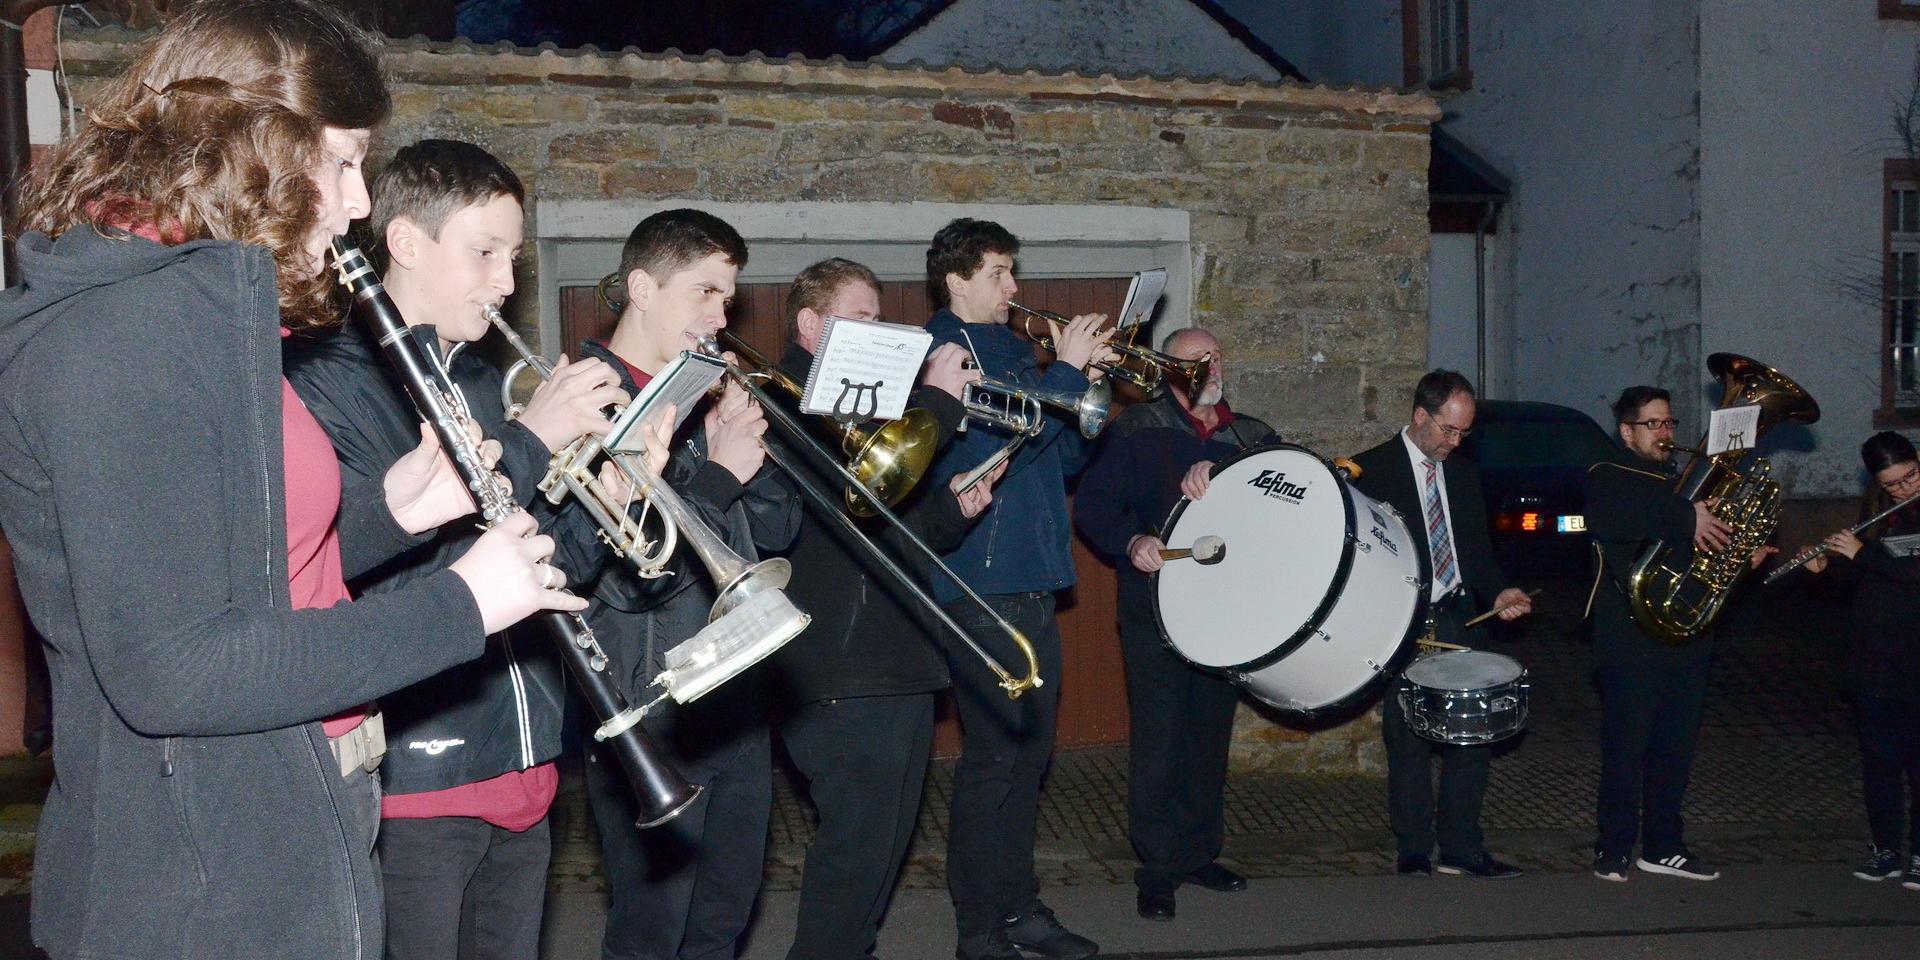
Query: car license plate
[[1571, 523]]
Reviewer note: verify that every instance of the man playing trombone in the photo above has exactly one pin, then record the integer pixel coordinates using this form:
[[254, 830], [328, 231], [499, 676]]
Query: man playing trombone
[[686, 888], [857, 691], [1016, 556], [1180, 718]]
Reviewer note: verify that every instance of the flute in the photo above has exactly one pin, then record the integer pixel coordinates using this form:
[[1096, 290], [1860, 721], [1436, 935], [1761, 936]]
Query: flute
[[1820, 549]]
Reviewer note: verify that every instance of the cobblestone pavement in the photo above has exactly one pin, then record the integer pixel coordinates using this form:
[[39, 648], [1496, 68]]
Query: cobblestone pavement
[[1775, 779]]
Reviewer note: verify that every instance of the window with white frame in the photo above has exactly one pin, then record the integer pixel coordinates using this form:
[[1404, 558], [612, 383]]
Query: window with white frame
[[1903, 292]]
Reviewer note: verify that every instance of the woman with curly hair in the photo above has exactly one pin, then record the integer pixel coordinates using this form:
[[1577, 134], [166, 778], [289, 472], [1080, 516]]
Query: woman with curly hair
[[180, 530]]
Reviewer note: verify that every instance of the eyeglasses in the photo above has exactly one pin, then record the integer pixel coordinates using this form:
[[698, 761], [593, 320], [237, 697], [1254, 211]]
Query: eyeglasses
[[1455, 433], [1909, 477], [1652, 424]]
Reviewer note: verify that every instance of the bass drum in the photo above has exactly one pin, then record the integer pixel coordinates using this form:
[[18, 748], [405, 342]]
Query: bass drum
[[1320, 593]]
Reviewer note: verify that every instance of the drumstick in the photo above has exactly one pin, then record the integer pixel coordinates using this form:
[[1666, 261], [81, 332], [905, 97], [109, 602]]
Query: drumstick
[[1208, 549], [1530, 595], [1423, 641]]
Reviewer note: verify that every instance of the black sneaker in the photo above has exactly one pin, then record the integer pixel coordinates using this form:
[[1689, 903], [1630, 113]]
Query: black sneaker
[[1679, 865], [987, 946], [1037, 931], [1610, 869], [1912, 880], [1879, 865]]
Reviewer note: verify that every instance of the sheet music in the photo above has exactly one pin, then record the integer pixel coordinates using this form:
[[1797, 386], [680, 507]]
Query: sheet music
[[864, 370], [682, 382], [1902, 547], [1142, 294], [1733, 428]]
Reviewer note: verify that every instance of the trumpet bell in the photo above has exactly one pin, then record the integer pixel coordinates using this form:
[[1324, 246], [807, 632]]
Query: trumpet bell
[[1093, 407], [891, 460]]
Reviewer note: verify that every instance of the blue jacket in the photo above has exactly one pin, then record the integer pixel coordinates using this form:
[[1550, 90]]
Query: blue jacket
[[1022, 544]]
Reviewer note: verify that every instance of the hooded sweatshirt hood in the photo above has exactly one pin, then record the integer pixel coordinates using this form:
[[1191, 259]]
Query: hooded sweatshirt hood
[[55, 271]]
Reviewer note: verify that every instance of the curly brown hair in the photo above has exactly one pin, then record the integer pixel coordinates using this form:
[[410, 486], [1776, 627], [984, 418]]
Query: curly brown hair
[[213, 133]]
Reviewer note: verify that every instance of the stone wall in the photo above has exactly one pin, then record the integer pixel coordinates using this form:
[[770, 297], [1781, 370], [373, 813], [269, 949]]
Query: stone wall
[[1308, 205]]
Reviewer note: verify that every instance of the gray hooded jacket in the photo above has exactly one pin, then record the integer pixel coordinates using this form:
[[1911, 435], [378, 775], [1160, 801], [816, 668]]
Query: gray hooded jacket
[[196, 810]]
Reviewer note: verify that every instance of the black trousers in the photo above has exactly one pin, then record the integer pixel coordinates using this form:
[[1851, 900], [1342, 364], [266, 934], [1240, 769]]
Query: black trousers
[[685, 889], [865, 760], [1181, 723], [1005, 747], [1417, 816], [460, 887], [1649, 722], [1890, 770]]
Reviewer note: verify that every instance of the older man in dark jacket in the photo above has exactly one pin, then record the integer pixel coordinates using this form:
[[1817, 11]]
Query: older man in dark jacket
[[1180, 719]]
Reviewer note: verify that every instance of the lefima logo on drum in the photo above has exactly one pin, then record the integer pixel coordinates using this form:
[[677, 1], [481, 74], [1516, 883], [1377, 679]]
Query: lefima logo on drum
[[1274, 484]]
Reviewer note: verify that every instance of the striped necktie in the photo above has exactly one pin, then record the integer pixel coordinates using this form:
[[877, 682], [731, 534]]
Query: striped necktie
[[1439, 539]]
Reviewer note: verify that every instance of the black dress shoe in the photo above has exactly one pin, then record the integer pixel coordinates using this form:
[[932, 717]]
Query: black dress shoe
[[1039, 932], [1213, 876], [1483, 866], [1155, 904], [1414, 865]]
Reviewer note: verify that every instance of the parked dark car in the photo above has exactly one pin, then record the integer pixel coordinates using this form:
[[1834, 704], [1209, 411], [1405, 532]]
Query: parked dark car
[[1533, 461]]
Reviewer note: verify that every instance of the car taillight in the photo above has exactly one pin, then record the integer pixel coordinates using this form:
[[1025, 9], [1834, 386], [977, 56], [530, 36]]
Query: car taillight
[[1530, 522]]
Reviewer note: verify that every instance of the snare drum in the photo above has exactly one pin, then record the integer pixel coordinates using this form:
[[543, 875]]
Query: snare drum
[[1319, 593], [1465, 697]]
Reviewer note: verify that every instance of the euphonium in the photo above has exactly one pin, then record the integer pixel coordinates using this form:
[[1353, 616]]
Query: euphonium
[[571, 472], [1137, 365], [1677, 605]]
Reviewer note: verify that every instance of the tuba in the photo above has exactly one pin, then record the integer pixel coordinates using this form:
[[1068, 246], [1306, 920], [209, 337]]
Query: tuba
[[1677, 605]]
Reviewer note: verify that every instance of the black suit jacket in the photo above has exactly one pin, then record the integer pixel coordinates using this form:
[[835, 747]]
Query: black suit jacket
[[1387, 475]]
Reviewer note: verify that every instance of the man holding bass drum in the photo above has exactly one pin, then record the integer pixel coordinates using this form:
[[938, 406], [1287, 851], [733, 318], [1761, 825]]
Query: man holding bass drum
[[1181, 717]]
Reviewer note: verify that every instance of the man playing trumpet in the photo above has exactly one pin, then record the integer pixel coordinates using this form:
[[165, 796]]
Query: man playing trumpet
[[1180, 718], [1016, 557]]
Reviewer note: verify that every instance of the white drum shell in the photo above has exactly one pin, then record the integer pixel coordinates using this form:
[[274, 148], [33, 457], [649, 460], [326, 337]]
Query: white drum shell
[[1318, 593]]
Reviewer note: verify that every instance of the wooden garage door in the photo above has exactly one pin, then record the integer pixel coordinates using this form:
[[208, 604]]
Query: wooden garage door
[[1093, 705]]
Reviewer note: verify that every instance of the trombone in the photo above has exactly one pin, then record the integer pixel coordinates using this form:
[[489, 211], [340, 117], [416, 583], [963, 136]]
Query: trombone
[[571, 472], [1144, 368], [824, 503], [888, 460], [1017, 409]]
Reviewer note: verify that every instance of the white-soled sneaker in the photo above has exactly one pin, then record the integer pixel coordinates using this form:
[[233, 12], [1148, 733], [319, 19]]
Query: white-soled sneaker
[[1912, 880], [1879, 865], [1679, 865]]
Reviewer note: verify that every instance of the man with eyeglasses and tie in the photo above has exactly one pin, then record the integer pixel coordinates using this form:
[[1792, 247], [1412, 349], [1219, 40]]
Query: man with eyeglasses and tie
[[1438, 496], [1651, 692]]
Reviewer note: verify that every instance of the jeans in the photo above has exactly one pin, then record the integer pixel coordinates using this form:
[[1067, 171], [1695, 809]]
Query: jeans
[[1005, 747], [460, 887], [1890, 769]]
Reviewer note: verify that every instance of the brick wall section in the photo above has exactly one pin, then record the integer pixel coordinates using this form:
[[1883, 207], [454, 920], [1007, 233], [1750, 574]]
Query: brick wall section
[[1309, 204]]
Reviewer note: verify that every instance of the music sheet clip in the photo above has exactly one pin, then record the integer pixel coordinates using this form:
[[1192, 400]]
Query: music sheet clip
[[1733, 428], [864, 370], [681, 383], [746, 635]]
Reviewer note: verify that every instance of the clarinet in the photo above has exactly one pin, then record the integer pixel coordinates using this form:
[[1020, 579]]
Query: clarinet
[[659, 790]]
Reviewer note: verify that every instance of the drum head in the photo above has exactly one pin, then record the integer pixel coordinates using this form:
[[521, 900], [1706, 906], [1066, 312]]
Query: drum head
[[1284, 517], [1463, 670]]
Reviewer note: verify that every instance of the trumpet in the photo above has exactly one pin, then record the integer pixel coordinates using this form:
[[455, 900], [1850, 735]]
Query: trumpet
[[828, 509], [888, 461], [1018, 410], [1144, 368], [571, 473]]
